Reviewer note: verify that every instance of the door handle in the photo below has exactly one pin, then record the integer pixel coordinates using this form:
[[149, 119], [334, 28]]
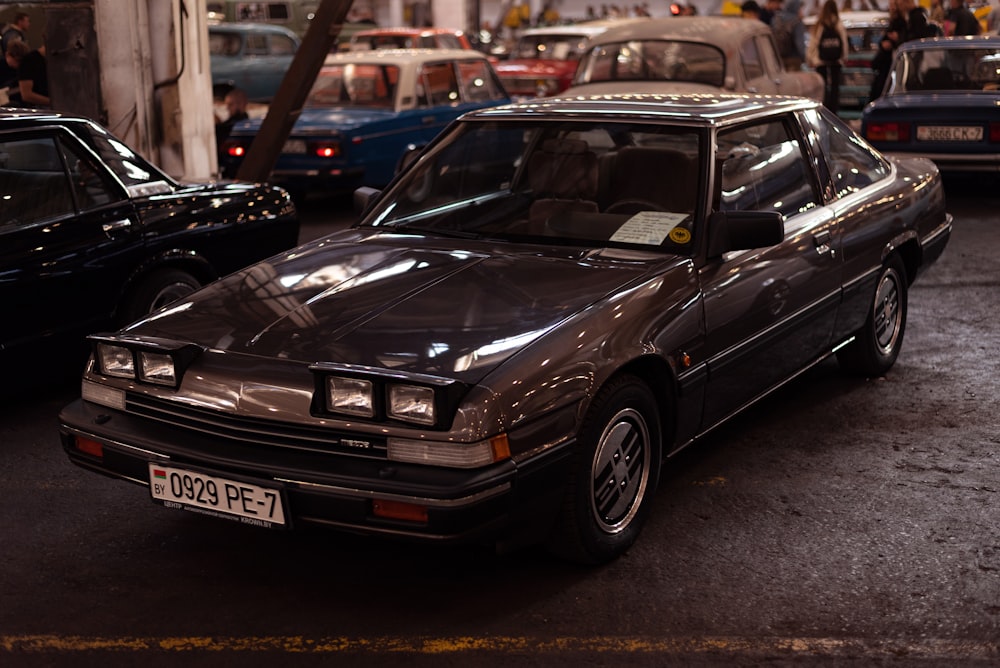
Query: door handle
[[822, 241], [116, 226]]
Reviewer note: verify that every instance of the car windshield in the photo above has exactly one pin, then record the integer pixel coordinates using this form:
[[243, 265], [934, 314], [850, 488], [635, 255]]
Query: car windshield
[[656, 60], [354, 85], [943, 69], [579, 183], [550, 47]]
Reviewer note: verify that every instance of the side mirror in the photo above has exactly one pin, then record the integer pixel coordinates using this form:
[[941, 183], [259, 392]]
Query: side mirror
[[743, 230], [364, 198]]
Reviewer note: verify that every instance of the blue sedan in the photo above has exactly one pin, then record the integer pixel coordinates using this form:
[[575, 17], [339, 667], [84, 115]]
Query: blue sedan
[[367, 110], [941, 103]]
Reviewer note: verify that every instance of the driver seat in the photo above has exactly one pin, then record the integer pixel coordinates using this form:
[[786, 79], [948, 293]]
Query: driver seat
[[563, 178]]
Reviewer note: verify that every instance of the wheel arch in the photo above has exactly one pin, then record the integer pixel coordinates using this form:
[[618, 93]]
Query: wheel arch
[[184, 260], [659, 377], [908, 249]]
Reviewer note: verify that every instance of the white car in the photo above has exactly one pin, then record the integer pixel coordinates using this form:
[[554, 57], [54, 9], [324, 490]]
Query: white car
[[694, 54]]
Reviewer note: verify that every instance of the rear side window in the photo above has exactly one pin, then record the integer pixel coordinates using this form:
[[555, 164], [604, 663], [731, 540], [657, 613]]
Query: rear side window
[[33, 182], [852, 163], [765, 169]]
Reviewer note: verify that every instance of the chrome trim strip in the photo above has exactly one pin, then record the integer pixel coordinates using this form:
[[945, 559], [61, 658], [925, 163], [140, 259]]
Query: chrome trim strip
[[432, 503]]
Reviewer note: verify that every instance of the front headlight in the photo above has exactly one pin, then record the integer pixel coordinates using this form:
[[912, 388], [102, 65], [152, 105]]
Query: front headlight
[[144, 359], [411, 403], [115, 361], [157, 368], [352, 396]]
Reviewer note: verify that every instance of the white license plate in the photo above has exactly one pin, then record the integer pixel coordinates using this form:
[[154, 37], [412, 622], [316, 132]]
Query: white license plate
[[950, 133], [212, 495], [294, 146]]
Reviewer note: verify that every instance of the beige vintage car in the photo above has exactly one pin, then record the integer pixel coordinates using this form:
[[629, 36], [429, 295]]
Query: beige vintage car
[[695, 54]]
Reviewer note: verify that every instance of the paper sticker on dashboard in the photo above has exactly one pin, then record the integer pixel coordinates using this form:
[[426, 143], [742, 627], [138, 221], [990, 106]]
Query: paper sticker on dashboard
[[649, 228]]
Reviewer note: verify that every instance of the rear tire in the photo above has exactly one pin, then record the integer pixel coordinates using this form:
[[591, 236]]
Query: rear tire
[[876, 345], [614, 476]]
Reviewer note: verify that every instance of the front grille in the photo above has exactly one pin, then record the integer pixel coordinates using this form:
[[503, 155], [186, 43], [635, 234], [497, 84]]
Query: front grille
[[255, 432]]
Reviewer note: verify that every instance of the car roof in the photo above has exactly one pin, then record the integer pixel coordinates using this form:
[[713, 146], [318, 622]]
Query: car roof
[[403, 30], [706, 29], [243, 27], [587, 29], [403, 56], [961, 42], [705, 109]]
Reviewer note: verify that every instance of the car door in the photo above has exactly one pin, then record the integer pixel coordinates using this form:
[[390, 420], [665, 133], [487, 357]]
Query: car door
[[67, 238], [769, 312]]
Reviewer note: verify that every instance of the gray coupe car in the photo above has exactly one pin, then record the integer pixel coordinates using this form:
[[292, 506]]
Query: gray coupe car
[[552, 300]]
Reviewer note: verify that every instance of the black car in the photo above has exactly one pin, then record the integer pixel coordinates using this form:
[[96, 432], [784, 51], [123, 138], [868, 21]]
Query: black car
[[93, 236]]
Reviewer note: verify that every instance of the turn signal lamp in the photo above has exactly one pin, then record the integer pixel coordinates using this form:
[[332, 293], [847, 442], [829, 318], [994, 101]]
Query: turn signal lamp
[[398, 510], [89, 447]]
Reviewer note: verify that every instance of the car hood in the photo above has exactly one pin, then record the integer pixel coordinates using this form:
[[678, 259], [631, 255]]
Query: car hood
[[402, 303], [324, 120]]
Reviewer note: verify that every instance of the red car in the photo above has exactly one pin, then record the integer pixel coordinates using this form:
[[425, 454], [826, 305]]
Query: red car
[[409, 38], [544, 59]]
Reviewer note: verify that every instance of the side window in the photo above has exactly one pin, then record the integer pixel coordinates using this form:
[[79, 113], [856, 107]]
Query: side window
[[91, 184], [256, 45], [853, 165], [768, 54], [750, 57], [765, 169], [449, 42], [440, 84], [282, 45], [478, 81], [33, 182]]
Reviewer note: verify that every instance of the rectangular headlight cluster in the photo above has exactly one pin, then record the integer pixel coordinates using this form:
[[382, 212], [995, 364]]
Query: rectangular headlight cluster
[[377, 394], [357, 396], [145, 360]]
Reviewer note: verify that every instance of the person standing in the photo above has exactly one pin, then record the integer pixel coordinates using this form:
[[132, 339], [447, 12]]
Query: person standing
[[827, 52], [236, 106], [790, 35], [960, 20], [882, 60], [15, 31], [33, 79]]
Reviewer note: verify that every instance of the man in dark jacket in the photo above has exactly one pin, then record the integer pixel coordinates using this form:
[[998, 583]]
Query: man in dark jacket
[[960, 20]]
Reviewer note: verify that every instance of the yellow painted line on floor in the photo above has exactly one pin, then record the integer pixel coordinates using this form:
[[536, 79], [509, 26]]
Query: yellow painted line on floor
[[736, 646]]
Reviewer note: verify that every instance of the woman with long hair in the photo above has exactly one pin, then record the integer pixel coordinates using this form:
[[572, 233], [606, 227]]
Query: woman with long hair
[[827, 51]]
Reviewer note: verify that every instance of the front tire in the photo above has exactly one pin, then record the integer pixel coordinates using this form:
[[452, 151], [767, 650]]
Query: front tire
[[876, 345], [160, 288], [613, 480]]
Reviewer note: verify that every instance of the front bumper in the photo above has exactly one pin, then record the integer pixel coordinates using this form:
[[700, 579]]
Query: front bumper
[[510, 502]]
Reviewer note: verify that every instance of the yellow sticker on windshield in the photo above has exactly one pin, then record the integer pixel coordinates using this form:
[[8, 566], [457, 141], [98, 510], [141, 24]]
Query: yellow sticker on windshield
[[679, 235]]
